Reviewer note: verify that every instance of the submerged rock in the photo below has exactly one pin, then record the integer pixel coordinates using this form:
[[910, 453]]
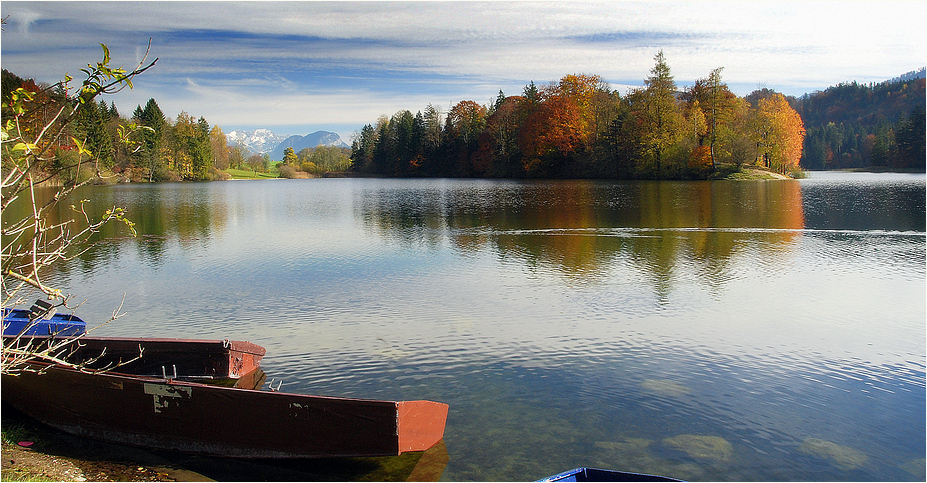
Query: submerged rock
[[916, 467], [625, 445], [712, 448], [665, 387], [842, 457]]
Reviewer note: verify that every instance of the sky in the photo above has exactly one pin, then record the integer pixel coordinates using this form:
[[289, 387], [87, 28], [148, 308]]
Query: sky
[[298, 67]]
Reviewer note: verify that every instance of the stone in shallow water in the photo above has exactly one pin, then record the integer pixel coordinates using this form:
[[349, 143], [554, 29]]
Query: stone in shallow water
[[842, 457], [916, 467], [664, 387], [625, 445], [708, 447]]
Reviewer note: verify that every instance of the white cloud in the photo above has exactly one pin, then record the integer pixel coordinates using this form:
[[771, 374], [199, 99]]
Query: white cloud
[[348, 62]]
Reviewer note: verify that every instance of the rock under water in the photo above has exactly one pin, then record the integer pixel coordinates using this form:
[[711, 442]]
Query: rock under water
[[842, 457], [664, 387], [713, 448]]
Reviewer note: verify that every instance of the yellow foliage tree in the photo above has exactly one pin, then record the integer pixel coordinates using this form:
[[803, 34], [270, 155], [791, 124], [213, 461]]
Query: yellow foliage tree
[[779, 133]]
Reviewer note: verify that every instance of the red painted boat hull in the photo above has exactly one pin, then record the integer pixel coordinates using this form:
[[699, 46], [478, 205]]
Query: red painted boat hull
[[220, 421]]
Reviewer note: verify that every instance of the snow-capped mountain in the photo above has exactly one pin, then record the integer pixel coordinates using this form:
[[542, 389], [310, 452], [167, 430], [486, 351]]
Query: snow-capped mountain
[[318, 138], [258, 141], [265, 141]]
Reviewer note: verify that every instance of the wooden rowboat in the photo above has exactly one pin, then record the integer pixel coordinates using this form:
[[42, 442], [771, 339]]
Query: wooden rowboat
[[176, 411], [199, 418]]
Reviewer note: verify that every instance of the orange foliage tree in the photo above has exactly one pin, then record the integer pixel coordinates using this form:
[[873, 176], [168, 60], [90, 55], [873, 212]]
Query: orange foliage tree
[[779, 133], [583, 89], [551, 130]]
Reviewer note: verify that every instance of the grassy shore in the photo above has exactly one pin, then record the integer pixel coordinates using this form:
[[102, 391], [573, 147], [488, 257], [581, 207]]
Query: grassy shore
[[248, 174], [733, 172]]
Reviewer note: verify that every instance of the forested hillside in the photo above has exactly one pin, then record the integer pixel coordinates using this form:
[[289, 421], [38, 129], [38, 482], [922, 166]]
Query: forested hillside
[[183, 149], [855, 125], [580, 128]]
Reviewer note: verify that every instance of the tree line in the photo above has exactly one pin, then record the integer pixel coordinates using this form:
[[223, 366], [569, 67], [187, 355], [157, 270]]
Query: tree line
[[581, 128], [854, 125], [314, 161], [185, 148], [181, 149]]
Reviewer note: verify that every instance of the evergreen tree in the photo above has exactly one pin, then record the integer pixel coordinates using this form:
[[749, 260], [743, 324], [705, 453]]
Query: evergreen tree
[[149, 154], [531, 93], [91, 126], [910, 140]]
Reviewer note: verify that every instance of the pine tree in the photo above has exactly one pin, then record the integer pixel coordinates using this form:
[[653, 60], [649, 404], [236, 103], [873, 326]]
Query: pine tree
[[152, 140]]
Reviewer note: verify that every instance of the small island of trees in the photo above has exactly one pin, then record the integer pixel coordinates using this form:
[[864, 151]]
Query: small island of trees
[[580, 128]]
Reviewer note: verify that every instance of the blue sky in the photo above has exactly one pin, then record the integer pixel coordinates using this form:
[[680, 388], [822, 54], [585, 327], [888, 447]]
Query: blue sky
[[298, 67]]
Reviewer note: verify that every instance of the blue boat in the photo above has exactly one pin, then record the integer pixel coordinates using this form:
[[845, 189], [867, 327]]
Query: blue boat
[[38, 321], [595, 474]]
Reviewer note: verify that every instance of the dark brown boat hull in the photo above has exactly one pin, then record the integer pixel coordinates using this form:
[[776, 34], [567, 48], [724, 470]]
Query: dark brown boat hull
[[193, 359], [221, 421]]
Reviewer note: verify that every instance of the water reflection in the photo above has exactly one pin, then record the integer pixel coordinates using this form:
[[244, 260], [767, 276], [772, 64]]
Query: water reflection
[[579, 229], [415, 466]]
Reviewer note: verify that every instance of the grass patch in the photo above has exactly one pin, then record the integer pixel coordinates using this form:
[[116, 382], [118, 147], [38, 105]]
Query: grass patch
[[248, 174], [747, 172], [14, 432], [20, 475], [750, 175]]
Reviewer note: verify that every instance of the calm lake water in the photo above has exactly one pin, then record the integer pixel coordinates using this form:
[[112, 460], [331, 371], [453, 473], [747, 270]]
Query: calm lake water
[[753, 330]]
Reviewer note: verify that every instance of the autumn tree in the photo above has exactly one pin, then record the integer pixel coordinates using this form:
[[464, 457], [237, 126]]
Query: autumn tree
[[192, 154], [655, 108], [237, 156], [594, 103], [466, 119], [779, 133], [289, 156], [733, 144], [719, 107], [551, 132], [258, 163], [219, 146]]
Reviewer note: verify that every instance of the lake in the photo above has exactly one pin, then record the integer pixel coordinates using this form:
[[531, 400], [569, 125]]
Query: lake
[[725, 330]]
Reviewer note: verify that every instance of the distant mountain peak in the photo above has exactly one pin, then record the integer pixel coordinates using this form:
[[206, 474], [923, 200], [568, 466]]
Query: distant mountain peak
[[266, 141], [909, 76], [258, 140], [298, 143]]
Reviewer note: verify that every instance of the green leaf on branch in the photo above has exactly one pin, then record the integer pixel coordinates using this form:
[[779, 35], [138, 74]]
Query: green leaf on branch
[[81, 147], [25, 147]]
